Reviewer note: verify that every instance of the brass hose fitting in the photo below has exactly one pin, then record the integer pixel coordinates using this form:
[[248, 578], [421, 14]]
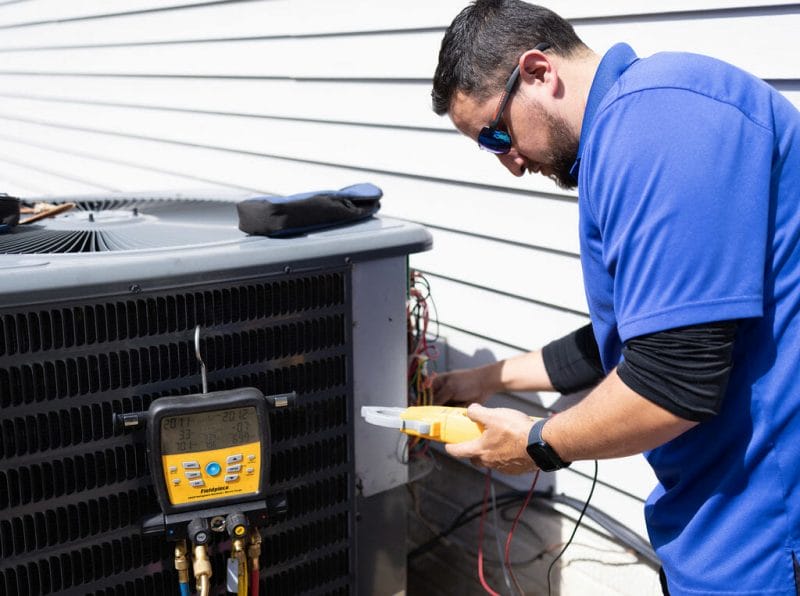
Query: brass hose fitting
[[201, 566], [254, 548], [181, 562]]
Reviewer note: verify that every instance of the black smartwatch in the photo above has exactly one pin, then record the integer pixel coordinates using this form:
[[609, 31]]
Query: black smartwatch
[[543, 455]]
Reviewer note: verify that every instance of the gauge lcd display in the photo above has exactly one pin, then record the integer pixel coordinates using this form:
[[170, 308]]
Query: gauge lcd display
[[204, 431]]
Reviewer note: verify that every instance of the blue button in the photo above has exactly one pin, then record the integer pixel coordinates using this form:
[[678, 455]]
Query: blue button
[[213, 468]]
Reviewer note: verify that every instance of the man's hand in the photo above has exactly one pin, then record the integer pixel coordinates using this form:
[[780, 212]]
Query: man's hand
[[461, 387], [502, 446], [525, 372]]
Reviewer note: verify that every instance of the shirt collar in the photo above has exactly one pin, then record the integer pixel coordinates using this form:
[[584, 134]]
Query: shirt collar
[[614, 63]]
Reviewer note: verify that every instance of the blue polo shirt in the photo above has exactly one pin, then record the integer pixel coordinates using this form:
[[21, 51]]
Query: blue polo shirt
[[689, 186]]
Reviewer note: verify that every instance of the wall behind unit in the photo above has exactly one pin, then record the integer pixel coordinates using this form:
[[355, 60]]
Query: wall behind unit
[[283, 96]]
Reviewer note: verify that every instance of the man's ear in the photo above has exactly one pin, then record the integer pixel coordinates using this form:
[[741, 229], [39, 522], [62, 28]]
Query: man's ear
[[537, 68]]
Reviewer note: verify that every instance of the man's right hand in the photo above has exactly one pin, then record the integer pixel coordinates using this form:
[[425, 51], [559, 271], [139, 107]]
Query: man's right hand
[[462, 387]]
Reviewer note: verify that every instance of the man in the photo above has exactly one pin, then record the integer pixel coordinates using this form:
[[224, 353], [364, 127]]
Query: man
[[688, 175]]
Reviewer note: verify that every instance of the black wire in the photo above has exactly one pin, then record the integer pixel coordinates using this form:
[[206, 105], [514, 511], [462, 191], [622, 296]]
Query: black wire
[[614, 527], [462, 519], [575, 529], [419, 279], [621, 532], [548, 499]]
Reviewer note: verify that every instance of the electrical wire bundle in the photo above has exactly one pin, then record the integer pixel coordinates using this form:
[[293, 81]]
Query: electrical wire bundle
[[508, 571], [479, 509], [422, 350]]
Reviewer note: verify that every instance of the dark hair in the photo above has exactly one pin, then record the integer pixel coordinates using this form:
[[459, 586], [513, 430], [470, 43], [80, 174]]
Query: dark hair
[[482, 44]]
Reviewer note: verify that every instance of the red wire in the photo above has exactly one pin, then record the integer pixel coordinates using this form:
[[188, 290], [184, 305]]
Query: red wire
[[514, 527], [480, 535], [254, 582]]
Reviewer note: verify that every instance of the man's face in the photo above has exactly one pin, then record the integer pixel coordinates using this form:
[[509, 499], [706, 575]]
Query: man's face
[[541, 142]]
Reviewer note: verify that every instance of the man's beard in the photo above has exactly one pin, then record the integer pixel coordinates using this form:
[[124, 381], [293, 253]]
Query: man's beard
[[563, 151]]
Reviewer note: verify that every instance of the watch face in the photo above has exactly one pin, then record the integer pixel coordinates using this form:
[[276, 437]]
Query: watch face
[[544, 457]]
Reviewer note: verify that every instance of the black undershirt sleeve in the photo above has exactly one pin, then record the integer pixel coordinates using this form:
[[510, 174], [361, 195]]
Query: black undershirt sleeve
[[684, 370], [573, 362]]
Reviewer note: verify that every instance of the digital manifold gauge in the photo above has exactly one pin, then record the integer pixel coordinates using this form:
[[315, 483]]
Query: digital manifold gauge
[[210, 449], [208, 455]]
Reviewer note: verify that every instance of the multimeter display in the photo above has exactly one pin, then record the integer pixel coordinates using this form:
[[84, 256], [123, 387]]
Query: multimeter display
[[204, 431]]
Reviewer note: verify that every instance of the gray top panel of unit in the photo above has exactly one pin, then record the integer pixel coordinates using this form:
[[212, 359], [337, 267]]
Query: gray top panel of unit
[[216, 246]]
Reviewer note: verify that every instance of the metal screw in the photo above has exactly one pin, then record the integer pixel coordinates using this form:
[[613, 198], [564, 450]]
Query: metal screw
[[135, 288]]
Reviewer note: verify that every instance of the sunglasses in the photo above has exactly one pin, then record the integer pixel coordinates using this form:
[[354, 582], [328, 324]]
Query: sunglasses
[[490, 138]]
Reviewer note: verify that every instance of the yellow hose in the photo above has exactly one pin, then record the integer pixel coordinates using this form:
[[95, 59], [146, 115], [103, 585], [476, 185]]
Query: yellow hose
[[241, 556]]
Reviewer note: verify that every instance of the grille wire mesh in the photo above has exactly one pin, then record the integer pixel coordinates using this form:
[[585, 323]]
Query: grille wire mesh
[[73, 489], [126, 224]]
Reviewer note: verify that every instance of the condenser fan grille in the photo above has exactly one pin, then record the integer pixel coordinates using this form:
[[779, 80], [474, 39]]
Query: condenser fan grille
[[75, 487], [126, 224]]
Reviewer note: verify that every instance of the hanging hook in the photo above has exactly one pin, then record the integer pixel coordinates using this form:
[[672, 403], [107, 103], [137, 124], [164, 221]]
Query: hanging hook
[[200, 358]]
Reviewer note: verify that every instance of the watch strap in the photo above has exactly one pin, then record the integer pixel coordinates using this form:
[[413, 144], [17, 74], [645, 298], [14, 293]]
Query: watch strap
[[543, 455], [535, 434]]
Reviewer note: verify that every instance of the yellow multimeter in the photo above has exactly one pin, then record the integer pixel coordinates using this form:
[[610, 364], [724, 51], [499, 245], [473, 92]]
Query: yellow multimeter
[[208, 450], [445, 424]]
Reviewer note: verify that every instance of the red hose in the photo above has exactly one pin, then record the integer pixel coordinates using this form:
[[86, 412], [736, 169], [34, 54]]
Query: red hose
[[254, 582]]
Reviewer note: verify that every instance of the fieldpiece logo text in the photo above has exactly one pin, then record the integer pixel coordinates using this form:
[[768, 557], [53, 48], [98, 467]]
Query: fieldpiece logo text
[[216, 489]]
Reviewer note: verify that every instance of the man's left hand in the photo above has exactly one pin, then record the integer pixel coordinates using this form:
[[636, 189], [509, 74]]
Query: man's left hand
[[502, 446]]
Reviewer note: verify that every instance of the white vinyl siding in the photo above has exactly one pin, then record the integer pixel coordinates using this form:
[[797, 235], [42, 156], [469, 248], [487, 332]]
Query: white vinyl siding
[[284, 96]]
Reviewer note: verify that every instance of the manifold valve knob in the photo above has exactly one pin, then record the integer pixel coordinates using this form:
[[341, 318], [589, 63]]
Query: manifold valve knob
[[199, 531], [236, 525]]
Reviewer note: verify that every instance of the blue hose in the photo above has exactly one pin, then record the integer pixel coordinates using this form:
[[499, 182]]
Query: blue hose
[[184, 589]]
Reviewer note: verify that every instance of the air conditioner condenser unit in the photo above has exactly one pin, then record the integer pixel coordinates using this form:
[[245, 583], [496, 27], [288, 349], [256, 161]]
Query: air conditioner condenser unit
[[98, 310]]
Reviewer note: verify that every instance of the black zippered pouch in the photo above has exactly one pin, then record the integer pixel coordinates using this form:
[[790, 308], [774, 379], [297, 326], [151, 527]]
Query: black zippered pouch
[[309, 211]]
